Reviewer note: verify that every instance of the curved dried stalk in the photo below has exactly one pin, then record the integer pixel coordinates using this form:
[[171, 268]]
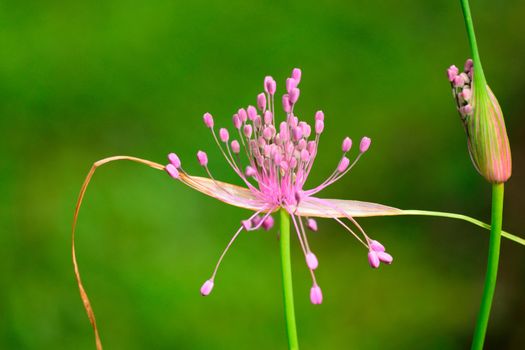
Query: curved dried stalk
[[83, 294]]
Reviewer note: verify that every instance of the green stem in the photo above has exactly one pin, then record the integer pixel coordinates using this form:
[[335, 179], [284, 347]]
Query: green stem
[[464, 218], [289, 313], [492, 268], [480, 77]]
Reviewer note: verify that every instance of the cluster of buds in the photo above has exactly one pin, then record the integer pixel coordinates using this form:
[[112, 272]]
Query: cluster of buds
[[483, 121], [462, 88]]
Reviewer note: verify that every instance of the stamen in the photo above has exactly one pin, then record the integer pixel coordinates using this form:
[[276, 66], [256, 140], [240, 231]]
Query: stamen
[[316, 295], [364, 144], [203, 158], [269, 85], [312, 224], [236, 147], [373, 259], [261, 102], [207, 287], [224, 135], [296, 74], [208, 120], [347, 144], [311, 261], [174, 159], [172, 171]]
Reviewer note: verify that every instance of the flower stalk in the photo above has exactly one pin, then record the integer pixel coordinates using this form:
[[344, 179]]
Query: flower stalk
[[492, 267], [490, 152], [286, 266]]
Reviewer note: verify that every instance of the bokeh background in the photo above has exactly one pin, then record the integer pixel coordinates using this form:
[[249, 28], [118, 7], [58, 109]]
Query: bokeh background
[[82, 80]]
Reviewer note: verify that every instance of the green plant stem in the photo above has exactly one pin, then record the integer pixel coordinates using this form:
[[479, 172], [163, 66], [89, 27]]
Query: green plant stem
[[289, 313], [461, 217], [480, 77], [492, 268]]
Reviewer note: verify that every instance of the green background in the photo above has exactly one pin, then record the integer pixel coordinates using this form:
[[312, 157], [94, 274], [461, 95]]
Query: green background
[[81, 80]]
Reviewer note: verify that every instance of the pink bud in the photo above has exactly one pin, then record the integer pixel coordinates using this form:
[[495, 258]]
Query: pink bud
[[373, 259], [203, 158], [286, 103], [385, 257], [316, 295], [208, 120], [174, 159], [256, 220], [466, 94], [293, 163], [307, 129], [237, 122], [458, 81], [297, 133], [347, 144], [311, 147], [247, 131], [319, 126], [172, 170], [267, 133], [343, 164], [252, 112], [468, 65], [242, 114], [365, 144], [250, 171], [269, 85], [296, 74], [261, 101], [235, 146], [247, 224], [452, 72], [294, 95], [376, 246], [224, 135], [305, 156], [312, 224], [319, 115], [207, 287], [268, 117], [466, 110], [311, 261], [291, 84], [268, 223]]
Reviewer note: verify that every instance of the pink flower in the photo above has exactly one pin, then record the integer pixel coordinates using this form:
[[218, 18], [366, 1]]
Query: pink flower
[[279, 158]]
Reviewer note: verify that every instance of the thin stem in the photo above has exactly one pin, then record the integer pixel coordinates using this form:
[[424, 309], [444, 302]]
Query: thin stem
[[472, 41], [492, 268], [289, 313], [461, 217]]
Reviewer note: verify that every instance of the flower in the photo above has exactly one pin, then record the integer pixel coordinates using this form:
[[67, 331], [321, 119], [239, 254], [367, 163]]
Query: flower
[[273, 160], [483, 121]]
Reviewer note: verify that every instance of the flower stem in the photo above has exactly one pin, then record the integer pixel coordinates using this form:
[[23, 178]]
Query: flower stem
[[480, 77], [289, 313], [492, 267], [461, 217]]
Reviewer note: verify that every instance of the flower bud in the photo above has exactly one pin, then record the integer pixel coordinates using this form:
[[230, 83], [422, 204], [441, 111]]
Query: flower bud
[[481, 114]]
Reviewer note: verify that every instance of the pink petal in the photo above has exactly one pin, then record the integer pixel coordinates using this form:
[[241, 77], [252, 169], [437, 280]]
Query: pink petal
[[337, 208], [225, 192]]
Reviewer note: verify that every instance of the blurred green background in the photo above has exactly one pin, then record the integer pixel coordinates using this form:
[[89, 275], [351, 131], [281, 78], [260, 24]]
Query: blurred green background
[[81, 80]]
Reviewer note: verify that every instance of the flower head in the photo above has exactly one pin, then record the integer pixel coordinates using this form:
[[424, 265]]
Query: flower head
[[274, 160], [483, 121]]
